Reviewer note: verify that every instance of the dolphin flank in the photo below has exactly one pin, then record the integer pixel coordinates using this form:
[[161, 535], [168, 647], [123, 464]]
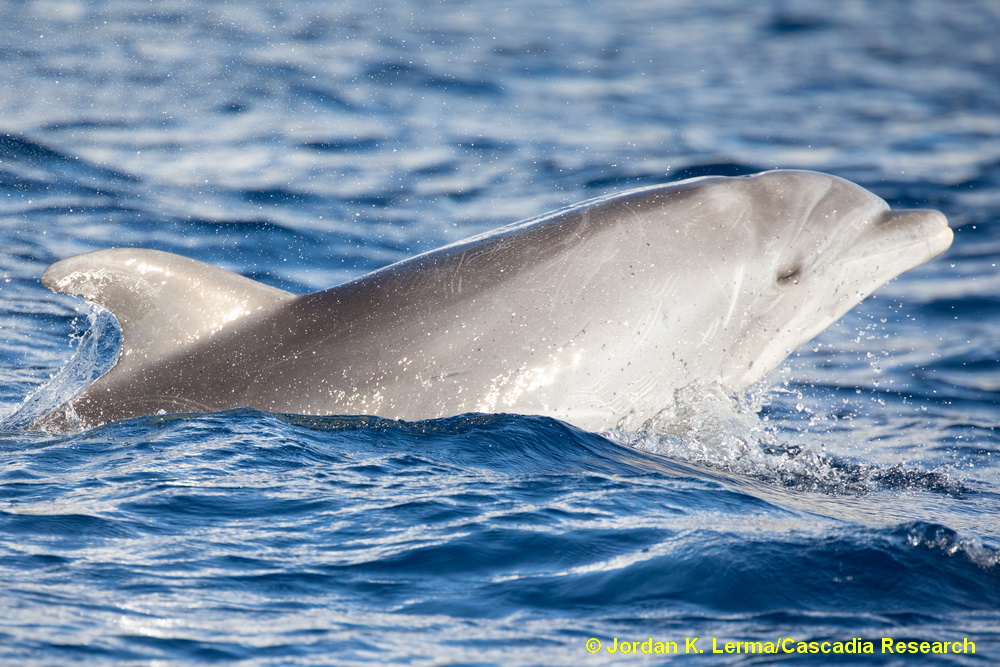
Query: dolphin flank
[[595, 314]]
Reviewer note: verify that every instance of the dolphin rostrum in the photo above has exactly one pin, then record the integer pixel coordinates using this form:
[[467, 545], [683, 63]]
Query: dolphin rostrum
[[595, 314]]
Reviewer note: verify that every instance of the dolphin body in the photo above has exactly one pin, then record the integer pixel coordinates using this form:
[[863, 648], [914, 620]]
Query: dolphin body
[[595, 314]]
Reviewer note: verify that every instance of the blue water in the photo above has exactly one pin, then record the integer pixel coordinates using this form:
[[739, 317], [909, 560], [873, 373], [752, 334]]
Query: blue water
[[855, 494]]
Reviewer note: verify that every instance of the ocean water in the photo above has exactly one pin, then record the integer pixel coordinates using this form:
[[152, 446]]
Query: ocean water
[[853, 496]]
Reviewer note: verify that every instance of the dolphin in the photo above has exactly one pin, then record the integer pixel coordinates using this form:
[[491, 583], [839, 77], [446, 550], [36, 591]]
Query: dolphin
[[595, 314]]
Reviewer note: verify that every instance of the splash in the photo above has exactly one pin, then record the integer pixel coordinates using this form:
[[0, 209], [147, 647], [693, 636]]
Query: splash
[[99, 342], [937, 538], [708, 428]]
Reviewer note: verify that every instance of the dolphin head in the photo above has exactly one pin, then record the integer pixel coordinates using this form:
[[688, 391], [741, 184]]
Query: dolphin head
[[815, 246]]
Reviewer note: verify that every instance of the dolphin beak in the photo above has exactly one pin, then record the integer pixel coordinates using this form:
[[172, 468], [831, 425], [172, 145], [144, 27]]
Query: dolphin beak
[[919, 228], [907, 238]]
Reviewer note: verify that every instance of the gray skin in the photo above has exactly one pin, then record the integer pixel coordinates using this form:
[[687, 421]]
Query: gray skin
[[596, 314]]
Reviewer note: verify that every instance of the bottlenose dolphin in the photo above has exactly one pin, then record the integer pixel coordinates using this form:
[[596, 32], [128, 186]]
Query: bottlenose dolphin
[[595, 314]]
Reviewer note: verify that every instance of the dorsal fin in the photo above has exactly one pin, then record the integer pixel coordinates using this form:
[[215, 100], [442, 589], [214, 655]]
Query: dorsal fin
[[162, 301]]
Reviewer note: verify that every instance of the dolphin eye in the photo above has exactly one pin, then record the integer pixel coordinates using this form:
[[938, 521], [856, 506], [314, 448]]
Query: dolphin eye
[[788, 275]]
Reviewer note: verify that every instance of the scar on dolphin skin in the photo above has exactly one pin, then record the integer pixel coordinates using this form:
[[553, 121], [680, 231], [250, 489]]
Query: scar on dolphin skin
[[736, 273]]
